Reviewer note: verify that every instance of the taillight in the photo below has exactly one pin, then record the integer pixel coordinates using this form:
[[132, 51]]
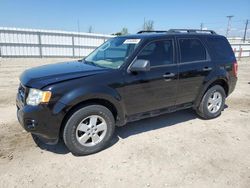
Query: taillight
[[235, 68]]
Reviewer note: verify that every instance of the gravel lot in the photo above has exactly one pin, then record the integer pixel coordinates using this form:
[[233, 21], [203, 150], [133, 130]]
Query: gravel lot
[[173, 150]]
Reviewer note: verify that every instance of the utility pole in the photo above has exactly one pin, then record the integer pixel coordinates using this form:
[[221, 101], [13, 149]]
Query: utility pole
[[201, 26], [78, 26], [245, 33], [229, 24]]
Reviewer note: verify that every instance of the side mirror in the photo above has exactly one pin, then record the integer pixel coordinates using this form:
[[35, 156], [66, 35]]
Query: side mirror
[[140, 65]]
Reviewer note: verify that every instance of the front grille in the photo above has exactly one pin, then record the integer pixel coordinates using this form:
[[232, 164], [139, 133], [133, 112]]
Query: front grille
[[22, 93]]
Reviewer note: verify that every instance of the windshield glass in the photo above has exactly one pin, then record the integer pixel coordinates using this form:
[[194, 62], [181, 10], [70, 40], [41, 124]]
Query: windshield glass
[[113, 53]]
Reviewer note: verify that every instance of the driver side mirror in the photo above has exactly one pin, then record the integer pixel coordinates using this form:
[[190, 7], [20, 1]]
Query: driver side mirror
[[140, 65]]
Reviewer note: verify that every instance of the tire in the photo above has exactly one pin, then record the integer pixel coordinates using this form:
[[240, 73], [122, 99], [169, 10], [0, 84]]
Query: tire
[[205, 110], [79, 128]]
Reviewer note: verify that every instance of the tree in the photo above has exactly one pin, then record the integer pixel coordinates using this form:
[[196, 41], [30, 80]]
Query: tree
[[148, 25], [124, 31], [90, 29], [117, 34]]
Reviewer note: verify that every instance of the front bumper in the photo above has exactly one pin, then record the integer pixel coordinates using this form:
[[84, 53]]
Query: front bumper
[[39, 120]]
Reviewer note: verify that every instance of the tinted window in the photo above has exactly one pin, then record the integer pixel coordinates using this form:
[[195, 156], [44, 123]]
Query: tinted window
[[192, 50], [220, 48], [158, 53]]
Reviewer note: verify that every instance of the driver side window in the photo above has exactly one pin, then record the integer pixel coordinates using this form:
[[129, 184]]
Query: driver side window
[[158, 53]]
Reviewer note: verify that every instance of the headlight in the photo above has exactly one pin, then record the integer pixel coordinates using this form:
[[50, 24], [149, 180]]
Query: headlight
[[36, 97]]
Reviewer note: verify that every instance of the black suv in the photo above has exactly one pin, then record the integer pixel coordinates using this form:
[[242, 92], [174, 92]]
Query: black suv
[[126, 79]]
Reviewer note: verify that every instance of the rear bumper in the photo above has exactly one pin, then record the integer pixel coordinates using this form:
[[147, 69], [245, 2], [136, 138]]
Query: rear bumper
[[41, 121], [232, 85]]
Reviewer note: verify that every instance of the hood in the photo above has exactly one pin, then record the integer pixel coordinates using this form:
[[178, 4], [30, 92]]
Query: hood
[[42, 76]]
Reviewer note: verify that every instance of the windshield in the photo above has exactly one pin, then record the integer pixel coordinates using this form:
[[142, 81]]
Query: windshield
[[113, 53]]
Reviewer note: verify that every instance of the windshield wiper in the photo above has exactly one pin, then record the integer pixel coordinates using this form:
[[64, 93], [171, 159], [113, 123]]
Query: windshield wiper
[[80, 60], [93, 63], [89, 62]]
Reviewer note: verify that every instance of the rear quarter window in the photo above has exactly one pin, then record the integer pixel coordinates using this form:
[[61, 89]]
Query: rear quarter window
[[191, 50], [220, 48]]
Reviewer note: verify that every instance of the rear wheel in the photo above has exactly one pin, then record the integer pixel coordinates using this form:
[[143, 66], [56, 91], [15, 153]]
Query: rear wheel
[[89, 130], [212, 102]]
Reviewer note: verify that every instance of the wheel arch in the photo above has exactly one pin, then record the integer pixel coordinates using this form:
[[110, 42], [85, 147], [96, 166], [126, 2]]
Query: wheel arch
[[117, 113], [223, 82]]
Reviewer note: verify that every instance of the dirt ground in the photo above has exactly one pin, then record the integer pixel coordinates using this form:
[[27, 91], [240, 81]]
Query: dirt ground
[[173, 150]]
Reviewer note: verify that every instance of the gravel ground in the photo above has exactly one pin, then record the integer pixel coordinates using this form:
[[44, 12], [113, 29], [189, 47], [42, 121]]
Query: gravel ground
[[173, 150]]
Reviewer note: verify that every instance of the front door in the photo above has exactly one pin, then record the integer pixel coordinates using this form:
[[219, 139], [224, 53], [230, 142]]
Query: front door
[[154, 89]]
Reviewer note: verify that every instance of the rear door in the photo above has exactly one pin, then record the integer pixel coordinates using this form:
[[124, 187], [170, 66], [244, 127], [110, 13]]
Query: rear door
[[194, 65], [154, 89]]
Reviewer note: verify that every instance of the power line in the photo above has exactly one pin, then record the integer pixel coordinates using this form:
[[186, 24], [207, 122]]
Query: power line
[[240, 27], [223, 22]]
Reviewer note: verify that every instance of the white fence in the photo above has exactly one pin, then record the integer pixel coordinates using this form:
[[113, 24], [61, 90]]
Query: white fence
[[44, 43], [241, 49]]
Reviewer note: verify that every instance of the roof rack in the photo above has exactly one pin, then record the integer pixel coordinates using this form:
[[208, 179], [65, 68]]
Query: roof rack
[[179, 31], [191, 31], [157, 31]]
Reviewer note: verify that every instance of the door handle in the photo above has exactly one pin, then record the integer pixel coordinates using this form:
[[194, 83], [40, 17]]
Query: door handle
[[207, 69], [168, 75]]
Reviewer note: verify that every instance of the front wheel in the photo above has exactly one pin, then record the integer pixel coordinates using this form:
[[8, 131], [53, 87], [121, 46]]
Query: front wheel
[[89, 130], [212, 102]]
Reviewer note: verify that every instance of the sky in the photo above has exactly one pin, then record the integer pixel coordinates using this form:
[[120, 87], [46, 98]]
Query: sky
[[110, 16]]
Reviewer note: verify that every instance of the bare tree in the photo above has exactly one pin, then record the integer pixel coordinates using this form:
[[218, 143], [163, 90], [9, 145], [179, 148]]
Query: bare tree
[[90, 29], [124, 31], [148, 25]]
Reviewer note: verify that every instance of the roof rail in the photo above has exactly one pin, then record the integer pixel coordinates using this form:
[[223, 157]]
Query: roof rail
[[191, 31], [157, 31]]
